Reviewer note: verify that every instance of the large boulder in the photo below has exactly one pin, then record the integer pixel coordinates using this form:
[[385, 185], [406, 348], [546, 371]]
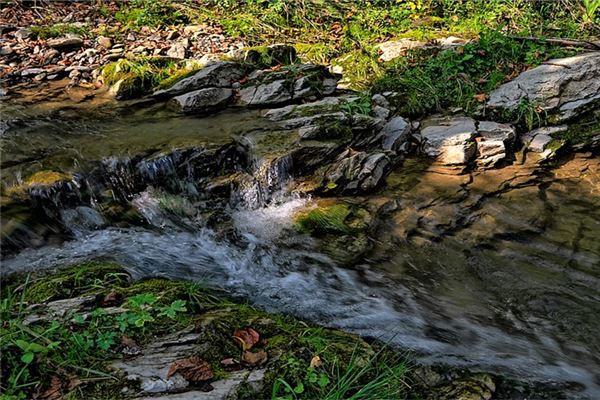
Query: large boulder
[[451, 140], [219, 74], [202, 101], [271, 93], [563, 88]]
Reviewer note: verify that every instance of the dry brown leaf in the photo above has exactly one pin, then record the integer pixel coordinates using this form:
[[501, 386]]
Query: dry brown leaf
[[254, 359], [316, 362], [246, 338], [193, 369], [481, 97], [228, 362]]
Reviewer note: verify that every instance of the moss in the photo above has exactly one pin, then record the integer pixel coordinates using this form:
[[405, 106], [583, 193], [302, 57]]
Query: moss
[[38, 179], [360, 69], [581, 132], [57, 30], [328, 219], [86, 278], [315, 53]]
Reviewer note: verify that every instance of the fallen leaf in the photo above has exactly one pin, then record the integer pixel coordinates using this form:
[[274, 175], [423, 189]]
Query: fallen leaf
[[481, 97], [228, 362], [111, 299], [254, 359], [59, 386], [193, 369], [246, 338], [316, 362]]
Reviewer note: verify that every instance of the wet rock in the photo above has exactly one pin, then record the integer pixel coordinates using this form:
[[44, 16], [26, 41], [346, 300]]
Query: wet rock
[[563, 88], [65, 42], [356, 172], [220, 74], [276, 92], [449, 139], [396, 48], [202, 101], [104, 42], [478, 387]]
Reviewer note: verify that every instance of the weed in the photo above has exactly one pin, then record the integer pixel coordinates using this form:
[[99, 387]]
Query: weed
[[57, 30], [325, 220], [431, 81]]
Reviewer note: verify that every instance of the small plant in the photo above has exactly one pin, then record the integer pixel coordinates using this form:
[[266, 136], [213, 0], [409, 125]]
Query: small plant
[[590, 8], [362, 105]]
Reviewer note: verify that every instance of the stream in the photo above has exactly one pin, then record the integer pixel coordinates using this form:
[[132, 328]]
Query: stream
[[463, 270]]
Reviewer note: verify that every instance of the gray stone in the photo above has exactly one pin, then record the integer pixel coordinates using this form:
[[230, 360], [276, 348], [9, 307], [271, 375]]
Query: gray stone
[[450, 140], [380, 100], [495, 142], [31, 71], [6, 50], [220, 74], [22, 33], [202, 101], [396, 48], [276, 92], [380, 112], [564, 88], [357, 172], [177, 50], [490, 130], [65, 42], [490, 152], [151, 368], [395, 133]]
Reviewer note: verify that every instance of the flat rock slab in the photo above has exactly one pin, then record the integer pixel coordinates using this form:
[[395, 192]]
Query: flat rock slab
[[220, 74], [151, 368], [564, 88], [450, 140], [202, 100]]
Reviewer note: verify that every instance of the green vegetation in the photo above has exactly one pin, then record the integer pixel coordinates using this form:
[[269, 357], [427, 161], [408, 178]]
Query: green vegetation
[[333, 218], [430, 80], [70, 353], [143, 74], [57, 30], [137, 13]]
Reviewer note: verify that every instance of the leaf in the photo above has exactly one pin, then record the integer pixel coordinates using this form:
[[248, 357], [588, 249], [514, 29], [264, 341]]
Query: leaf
[[481, 97], [172, 310], [141, 299], [246, 338], [254, 359], [193, 369], [316, 362], [27, 357], [323, 380], [228, 362], [299, 388], [37, 348], [23, 345]]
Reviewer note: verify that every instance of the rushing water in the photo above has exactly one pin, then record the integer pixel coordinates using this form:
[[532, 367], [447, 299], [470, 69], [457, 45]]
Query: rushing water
[[510, 283]]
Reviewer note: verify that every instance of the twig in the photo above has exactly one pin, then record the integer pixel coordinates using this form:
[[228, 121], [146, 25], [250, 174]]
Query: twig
[[563, 42]]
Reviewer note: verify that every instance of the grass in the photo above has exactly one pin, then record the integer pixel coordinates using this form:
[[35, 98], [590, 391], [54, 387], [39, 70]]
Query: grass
[[429, 81], [141, 75], [329, 219], [74, 351]]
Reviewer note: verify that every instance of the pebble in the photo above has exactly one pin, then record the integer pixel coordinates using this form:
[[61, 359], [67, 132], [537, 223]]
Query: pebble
[[31, 71], [22, 34], [104, 42], [6, 50]]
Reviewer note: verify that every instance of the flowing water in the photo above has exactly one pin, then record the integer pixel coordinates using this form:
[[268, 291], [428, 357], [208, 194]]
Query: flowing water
[[500, 280]]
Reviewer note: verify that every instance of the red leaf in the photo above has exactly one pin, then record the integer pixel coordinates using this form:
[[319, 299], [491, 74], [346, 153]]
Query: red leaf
[[193, 369], [246, 338]]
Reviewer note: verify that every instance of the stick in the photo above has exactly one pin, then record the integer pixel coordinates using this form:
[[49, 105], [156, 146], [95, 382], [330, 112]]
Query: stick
[[563, 42]]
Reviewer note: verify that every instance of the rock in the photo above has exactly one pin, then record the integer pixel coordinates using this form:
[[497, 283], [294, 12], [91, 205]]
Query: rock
[[451, 41], [357, 172], [173, 35], [31, 71], [104, 42], [65, 42], [537, 139], [380, 100], [380, 112], [266, 56], [276, 92], [177, 50], [495, 142], [395, 134], [6, 50], [202, 101], [396, 48], [151, 368], [220, 74], [450, 139], [563, 88], [130, 37], [22, 33]]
